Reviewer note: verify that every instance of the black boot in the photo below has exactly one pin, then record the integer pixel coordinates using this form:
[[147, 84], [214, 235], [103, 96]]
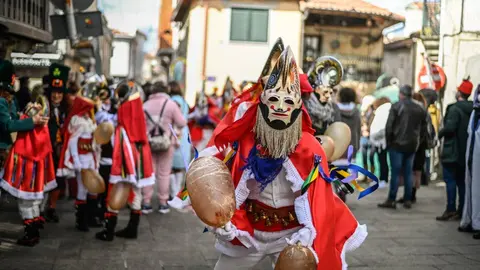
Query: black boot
[[132, 228], [39, 222], [476, 235], [51, 215], [81, 222], [414, 195], [31, 236], [109, 224], [93, 212]]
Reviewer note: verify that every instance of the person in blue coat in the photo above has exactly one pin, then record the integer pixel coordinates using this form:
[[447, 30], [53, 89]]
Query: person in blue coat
[[183, 152]]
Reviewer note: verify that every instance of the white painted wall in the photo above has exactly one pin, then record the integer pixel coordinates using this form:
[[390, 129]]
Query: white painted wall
[[471, 20], [239, 60], [459, 52], [193, 82], [120, 61], [413, 21]]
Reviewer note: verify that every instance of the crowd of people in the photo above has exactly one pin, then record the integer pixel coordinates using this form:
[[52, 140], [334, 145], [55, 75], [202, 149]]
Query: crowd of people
[[52, 138]]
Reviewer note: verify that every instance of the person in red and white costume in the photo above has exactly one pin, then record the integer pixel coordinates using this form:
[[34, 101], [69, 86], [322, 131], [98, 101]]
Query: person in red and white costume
[[271, 133], [203, 119], [131, 160], [80, 152], [29, 170]]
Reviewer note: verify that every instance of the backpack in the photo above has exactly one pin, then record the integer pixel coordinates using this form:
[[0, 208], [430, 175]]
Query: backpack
[[157, 137]]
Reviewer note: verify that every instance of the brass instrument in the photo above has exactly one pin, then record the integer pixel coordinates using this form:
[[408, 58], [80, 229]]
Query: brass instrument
[[327, 71]]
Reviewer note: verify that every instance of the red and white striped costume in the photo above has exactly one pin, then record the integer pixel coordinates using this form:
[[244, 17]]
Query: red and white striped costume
[[29, 171]]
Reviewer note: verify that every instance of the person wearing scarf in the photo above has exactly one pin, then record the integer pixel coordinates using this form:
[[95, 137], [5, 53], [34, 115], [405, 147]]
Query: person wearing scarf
[[275, 151], [320, 107], [79, 152], [28, 171], [470, 221], [131, 160]]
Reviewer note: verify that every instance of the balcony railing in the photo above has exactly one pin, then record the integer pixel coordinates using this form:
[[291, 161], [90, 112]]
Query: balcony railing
[[27, 18]]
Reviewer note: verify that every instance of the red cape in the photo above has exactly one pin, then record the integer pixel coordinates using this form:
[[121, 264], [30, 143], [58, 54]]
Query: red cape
[[34, 144], [132, 157]]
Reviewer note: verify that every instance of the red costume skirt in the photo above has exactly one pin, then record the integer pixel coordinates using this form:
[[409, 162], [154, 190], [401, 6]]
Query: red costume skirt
[[27, 179]]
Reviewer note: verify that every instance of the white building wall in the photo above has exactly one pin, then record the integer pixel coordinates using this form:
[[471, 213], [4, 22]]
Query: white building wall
[[239, 60], [459, 48], [413, 21], [244, 60], [193, 82]]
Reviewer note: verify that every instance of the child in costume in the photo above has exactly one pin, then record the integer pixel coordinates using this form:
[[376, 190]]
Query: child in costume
[[81, 152], [28, 171], [131, 161]]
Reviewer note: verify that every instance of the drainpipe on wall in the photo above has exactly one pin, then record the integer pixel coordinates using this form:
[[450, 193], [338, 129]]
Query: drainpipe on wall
[[205, 44]]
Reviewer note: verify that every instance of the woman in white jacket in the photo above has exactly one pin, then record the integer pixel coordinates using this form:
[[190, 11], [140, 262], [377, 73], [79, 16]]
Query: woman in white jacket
[[377, 135]]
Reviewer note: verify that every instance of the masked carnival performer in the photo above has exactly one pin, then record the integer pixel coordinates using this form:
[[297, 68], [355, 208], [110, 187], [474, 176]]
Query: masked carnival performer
[[131, 161], [323, 75], [275, 151], [106, 112], [203, 120], [28, 170], [471, 211], [228, 95], [81, 152], [56, 89]]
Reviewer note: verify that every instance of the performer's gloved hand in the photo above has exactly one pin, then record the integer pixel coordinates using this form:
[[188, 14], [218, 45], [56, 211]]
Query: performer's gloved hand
[[305, 236], [227, 234]]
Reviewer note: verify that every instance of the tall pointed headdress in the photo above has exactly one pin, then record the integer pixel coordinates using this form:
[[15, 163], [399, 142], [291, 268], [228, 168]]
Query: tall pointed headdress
[[277, 49], [281, 101]]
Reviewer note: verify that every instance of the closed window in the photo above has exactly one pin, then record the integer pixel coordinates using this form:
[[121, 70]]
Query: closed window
[[249, 25]]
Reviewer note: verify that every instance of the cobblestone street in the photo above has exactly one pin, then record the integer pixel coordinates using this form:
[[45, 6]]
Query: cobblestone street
[[398, 239]]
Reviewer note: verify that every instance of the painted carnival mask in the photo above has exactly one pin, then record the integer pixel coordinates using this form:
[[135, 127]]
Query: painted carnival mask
[[325, 93], [278, 126], [281, 99]]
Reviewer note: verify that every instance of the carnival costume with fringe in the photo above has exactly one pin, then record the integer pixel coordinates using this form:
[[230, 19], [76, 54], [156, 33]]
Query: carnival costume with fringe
[[270, 212]]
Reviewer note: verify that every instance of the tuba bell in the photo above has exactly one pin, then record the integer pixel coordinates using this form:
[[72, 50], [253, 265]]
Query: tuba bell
[[38, 98], [327, 71]]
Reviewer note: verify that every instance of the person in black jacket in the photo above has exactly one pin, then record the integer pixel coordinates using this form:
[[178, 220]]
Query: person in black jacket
[[405, 130], [455, 136], [56, 88]]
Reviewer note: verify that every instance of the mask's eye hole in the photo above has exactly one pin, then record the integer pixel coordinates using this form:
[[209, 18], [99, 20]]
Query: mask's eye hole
[[289, 102], [273, 99]]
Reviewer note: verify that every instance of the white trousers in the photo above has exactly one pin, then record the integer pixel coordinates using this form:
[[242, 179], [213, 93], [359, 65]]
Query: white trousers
[[269, 246], [244, 263], [29, 209], [82, 191]]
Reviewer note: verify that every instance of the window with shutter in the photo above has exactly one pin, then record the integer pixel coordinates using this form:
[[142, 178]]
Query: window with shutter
[[249, 25]]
